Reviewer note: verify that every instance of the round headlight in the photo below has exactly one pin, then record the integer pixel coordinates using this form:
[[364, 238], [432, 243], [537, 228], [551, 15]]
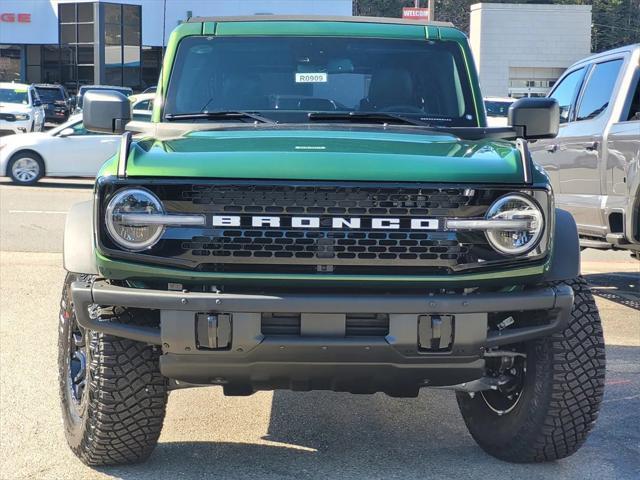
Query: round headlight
[[125, 232], [527, 220]]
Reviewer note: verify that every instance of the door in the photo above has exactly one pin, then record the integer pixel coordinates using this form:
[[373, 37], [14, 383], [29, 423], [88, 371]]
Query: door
[[80, 153], [623, 145], [547, 152], [581, 170]]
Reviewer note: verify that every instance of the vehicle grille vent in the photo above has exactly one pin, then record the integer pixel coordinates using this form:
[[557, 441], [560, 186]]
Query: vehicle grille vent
[[357, 324], [280, 324], [367, 325]]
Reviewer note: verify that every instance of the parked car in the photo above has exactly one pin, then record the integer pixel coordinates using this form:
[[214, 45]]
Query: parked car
[[594, 162], [142, 106], [68, 150], [86, 88], [497, 110], [21, 110], [360, 241], [56, 102]]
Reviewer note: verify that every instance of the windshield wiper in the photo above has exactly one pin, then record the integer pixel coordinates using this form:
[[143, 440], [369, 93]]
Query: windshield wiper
[[219, 115], [362, 117]]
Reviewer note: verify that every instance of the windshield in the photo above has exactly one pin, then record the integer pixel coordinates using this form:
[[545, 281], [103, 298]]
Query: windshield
[[497, 109], [14, 95], [49, 95], [285, 78]]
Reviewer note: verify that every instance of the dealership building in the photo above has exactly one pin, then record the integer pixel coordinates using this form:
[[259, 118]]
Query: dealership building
[[116, 42], [521, 49]]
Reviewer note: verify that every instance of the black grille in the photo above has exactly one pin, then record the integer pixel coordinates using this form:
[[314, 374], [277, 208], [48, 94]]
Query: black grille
[[274, 199], [356, 325], [287, 248], [328, 245], [9, 117], [367, 325], [280, 324]]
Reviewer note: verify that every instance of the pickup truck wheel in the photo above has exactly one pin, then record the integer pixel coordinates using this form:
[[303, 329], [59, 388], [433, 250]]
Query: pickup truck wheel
[[113, 396], [550, 413]]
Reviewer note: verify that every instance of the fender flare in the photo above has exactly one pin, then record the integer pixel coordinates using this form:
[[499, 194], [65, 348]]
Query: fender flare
[[78, 248], [565, 261]]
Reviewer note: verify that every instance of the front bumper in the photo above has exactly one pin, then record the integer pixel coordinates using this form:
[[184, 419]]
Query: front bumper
[[394, 363], [16, 126]]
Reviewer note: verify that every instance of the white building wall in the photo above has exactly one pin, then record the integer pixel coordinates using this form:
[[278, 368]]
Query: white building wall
[[43, 28], [544, 38]]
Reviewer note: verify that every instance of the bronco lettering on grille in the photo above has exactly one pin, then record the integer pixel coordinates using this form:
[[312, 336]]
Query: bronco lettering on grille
[[348, 223]]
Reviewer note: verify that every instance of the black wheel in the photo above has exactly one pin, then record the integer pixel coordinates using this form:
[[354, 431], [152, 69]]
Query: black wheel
[[549, 407], [25, 168], [112, 394]]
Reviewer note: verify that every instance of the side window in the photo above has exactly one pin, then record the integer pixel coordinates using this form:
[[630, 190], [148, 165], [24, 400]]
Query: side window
[[565, 93], [599, 89], [144, 105], [634, 107], [79, 130]]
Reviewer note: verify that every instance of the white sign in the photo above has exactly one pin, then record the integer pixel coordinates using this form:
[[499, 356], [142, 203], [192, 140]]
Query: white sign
[[311, 77]]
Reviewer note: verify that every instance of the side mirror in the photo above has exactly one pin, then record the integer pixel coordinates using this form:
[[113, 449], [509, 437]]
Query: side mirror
[[105, 112], [535, 118], [67, 132], [37, 103]]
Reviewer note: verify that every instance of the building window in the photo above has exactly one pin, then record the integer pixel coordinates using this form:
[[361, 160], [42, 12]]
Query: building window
[[532, 81], [34, 61], [51, 64], [76, 44], [67, 13], [151, 64], [85, 12], [122, 44]]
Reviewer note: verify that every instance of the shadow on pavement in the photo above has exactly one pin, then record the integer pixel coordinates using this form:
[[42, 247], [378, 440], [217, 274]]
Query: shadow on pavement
[[331, 435], [53, 183], [619, 287]]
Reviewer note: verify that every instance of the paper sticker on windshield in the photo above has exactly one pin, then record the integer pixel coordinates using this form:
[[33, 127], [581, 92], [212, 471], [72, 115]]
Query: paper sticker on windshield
[[311, 77], [20, 90]]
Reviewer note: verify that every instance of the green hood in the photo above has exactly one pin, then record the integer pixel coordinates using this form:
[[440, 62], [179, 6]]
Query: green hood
[[327, 154]]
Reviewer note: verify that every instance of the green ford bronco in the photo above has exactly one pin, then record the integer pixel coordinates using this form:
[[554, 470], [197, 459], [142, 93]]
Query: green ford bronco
[[317, 204]]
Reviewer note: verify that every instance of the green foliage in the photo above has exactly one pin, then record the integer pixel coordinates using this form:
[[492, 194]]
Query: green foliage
[[614, 22]]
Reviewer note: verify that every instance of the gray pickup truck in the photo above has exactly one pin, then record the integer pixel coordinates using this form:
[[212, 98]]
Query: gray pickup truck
[[594, 162]]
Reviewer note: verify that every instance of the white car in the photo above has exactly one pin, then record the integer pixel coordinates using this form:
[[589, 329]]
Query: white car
[[498, 110], [21, 110], [65, 151], [142, 106]]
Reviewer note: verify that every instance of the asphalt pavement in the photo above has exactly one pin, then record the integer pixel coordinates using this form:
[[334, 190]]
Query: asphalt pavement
[[283, 434]]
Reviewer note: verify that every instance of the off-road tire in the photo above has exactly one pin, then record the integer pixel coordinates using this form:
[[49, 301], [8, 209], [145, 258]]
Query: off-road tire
[[120, 416], [560, 400]]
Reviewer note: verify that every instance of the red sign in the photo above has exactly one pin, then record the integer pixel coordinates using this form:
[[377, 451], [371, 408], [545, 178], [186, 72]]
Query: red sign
[[15, 17], [413, 13]]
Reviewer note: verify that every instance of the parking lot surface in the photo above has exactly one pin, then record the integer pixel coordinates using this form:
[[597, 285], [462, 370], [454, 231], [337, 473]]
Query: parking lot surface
[[282, 434]]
